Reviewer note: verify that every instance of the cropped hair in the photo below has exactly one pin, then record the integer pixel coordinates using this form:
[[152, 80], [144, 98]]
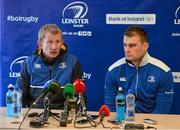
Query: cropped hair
[[136, 30], [52, 28]]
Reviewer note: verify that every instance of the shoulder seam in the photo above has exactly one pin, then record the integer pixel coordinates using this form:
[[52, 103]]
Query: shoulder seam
[[159, 64], [117, 63]]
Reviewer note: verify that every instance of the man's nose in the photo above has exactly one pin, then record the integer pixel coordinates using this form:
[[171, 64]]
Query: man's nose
[[126, 49], [54, 45]]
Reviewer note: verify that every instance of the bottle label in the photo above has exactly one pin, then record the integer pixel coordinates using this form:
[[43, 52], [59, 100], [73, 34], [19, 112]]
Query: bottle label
[[130, 113], [120, 103], [9, 100], [15, 98], [16, 109]]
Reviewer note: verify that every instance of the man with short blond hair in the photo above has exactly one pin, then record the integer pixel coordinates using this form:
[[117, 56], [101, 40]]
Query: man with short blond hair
[[49, 61]]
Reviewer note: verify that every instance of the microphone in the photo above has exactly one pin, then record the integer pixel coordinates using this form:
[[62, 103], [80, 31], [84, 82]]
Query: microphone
[[53, 88], [80, 89], [104, 111], [48, 86], [68, 93]]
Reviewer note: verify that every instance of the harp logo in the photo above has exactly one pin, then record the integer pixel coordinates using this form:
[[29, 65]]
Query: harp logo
[[77, 9], [74, 13], [15, 66], [177, 16]]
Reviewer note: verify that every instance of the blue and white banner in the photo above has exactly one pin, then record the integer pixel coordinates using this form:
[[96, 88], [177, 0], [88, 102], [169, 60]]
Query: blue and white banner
[[93, 31]]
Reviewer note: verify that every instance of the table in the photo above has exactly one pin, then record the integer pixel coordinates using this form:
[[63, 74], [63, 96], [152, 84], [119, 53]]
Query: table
[[165, 121]]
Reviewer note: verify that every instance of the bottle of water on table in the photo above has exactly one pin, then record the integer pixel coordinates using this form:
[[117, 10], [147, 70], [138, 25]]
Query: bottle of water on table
[[9, 100], [130, 106], [120, 105], [17, 103]]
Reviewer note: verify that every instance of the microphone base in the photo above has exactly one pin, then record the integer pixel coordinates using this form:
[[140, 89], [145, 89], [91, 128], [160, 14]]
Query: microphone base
[[63, 119], [36, 123]]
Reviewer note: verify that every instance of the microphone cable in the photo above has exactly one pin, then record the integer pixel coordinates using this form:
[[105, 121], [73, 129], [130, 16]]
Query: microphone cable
[[25, 115], [106, 127], [87, 119], [34, 103]]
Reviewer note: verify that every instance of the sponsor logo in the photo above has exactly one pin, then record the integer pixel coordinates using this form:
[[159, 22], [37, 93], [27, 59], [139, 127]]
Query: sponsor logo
[[130, 18], [122, 78], [175, 34], [19, 18], [151, 79], [37, 66], [62, 65], [15, 66], [176, 77], [74, 14], [177, 16], [169, 92]]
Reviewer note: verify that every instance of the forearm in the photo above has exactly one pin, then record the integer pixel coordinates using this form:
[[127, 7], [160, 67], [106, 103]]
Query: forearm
[[165, 95], [110, 90], [77, 72]]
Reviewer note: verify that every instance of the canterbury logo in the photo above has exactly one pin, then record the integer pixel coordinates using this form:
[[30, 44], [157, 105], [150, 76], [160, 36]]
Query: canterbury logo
[[122, 79]]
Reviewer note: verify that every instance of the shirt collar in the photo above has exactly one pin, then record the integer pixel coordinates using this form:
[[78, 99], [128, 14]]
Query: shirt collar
[[144, 61]]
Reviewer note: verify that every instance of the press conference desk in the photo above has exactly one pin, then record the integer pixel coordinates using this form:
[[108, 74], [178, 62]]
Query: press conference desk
[[165, 122]]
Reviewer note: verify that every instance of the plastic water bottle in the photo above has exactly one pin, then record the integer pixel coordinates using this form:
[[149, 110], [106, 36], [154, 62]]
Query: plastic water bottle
[[120, 105], [9, 100], [130, 107], [17, 103]]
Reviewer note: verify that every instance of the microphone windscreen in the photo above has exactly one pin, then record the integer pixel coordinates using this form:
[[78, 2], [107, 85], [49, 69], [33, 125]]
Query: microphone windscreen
[[68, 91], [54, 87], [79, 86], [104, 109], [48, 83]]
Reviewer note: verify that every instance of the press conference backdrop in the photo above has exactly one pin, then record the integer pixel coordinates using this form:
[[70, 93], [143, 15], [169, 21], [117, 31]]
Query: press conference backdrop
[[93, 31]]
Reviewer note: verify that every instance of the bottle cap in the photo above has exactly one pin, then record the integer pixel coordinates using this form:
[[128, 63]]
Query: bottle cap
[[120, 89], [130, 91], [10, 86]]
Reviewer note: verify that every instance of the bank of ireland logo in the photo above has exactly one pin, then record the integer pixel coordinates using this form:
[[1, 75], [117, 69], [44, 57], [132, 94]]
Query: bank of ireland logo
[[74, 13], [15, 66], [177, 16]]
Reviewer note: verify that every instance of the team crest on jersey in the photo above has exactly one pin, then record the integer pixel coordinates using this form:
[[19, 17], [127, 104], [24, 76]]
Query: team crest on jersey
[[62, 65], [151, 79], [37, 66], [122, 79]]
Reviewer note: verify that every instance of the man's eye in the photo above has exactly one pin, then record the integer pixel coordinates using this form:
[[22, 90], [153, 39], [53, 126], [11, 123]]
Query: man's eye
[[50, 42], [58, 42], [132, 45]]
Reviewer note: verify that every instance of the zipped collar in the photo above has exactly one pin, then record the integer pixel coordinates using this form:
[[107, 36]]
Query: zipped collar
[[144, 61]]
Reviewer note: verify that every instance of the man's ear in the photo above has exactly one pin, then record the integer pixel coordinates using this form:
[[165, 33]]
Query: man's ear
[[146, 45], [39, 43]]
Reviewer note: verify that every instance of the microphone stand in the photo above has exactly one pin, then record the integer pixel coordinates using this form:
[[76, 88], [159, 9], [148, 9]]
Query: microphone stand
[[47, 112], [64, 115], [25, 116], [46, 109]]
